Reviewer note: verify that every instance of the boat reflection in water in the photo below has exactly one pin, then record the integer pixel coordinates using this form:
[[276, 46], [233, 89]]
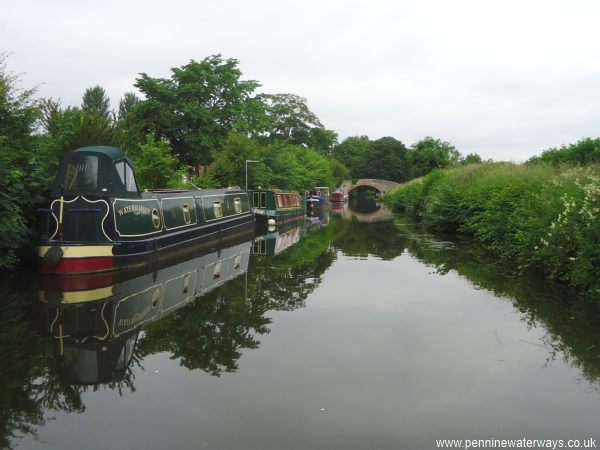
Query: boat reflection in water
[[276, 240], [317, 218], [96, 319]]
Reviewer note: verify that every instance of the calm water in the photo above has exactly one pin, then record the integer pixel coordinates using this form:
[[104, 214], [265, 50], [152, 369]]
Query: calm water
[[352, 332]]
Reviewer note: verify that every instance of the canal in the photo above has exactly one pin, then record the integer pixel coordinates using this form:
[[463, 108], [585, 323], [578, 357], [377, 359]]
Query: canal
[[352, 331]]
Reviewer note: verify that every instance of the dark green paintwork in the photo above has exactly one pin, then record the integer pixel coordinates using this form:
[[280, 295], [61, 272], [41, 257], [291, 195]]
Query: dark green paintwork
[[134, 217]]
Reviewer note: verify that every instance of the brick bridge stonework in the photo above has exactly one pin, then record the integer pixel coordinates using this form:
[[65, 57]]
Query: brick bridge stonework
[[383, 186]]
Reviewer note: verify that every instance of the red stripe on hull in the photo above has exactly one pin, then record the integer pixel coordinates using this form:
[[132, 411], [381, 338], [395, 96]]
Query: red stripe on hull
[[77, 265], [76, 282]]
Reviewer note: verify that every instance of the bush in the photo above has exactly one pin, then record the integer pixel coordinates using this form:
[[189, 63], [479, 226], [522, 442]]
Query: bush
[[531, 216]]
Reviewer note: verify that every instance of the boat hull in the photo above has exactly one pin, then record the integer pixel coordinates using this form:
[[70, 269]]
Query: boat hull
[[126, 233]]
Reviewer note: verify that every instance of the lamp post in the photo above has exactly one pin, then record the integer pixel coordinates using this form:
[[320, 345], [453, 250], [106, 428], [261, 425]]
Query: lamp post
[[248, 161]]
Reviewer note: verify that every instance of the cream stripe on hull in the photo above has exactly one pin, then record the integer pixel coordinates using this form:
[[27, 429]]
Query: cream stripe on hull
[[80, 251]]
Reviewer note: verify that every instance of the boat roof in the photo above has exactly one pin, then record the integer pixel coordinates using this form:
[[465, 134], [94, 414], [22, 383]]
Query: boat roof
[[113, 153]]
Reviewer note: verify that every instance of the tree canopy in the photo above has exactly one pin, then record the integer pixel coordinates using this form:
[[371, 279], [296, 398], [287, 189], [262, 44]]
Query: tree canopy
[[199, 106]]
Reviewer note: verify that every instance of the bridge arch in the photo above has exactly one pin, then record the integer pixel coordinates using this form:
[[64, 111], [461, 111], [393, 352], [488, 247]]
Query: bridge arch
[[382, 186]]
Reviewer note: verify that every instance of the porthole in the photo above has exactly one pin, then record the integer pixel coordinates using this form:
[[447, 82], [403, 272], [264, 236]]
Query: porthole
[[155, 218], [155, 297]]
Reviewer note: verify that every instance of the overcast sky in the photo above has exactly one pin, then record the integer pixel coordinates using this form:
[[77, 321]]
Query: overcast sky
[[506, 79]]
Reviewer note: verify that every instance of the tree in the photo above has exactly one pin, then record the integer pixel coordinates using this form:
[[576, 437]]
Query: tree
[[154, 164], [96, 101], [199, 106], [353, 152], [471, 158], [322, 140], [229, 163], [585, 151], [22, 180], [72, 128], [387, 160], [127, 105], [290, 118], [429, 153], [129, 133]]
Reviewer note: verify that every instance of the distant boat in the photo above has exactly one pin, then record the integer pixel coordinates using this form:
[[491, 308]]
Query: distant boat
[[276, 207], [98, 220], [339, 196], [317, 197]]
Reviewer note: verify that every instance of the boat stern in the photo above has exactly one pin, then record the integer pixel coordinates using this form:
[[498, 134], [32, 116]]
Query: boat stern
[[62, 258]]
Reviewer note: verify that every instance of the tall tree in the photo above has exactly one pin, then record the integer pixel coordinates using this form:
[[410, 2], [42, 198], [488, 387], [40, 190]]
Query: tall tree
[[353, 152], [289, 116], [199, 106], [127, 105], [96, 101], [429, 153], [388, 160]]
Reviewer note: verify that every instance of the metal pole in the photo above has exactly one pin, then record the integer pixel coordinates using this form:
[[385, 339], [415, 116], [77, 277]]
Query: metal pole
[[248, 161]]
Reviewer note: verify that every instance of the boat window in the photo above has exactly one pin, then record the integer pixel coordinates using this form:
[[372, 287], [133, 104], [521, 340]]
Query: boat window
[[218, 209], [256, 200], [217, 271], [126, 174], [187, 217], [82, 173], [279, 201], [186, 284], [260, 247], [263, 199], [238, 205]]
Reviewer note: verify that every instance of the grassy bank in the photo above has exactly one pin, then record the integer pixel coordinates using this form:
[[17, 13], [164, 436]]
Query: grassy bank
[[532, 216]]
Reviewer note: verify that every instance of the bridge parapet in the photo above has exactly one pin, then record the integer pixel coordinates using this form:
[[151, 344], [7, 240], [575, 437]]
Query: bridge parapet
[[383, 186]]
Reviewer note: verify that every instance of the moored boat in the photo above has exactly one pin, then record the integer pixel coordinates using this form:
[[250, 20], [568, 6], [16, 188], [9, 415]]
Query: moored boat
[[276, 207], [98, 220], [338, 196], [317, 197]]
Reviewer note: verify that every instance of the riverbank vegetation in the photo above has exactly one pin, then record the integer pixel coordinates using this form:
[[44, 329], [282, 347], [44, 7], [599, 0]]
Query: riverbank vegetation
[[539, 215]]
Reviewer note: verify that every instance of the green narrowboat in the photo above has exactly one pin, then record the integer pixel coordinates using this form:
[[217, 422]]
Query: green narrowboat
[[276, 207], [98, 220]]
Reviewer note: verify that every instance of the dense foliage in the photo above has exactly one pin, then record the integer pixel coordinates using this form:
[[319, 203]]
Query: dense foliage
[[389, 159], [586, 151], [22, 172], [531, 216]]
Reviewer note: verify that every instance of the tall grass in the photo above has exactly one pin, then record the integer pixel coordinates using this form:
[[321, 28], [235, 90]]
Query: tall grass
[[532, 216]]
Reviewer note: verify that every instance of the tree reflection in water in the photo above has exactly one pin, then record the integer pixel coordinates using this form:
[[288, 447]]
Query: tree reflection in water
[[211, 332]]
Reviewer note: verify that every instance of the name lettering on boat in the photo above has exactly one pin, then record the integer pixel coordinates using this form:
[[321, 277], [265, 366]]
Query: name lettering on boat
[[136, 318], [133, 209]]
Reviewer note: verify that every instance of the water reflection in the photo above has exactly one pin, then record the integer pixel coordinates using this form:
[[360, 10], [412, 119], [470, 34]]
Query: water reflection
[[569, 319], [96, 320], [208, 311]]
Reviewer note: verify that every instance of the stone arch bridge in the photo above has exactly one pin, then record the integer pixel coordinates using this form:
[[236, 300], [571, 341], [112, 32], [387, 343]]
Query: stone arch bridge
[[383, 186]]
